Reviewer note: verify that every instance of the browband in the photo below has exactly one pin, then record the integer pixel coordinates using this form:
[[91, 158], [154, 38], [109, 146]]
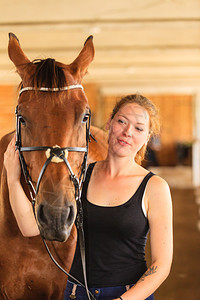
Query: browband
[[45, 89]]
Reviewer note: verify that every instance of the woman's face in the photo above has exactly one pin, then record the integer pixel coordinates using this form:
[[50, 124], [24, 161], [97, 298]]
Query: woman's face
[[128, 130]]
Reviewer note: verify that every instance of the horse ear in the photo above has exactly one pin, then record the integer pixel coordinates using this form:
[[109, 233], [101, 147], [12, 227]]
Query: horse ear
[[80, 64], [17, 55]]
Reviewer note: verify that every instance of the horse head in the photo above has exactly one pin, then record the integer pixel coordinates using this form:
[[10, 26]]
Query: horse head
[[53, 111]]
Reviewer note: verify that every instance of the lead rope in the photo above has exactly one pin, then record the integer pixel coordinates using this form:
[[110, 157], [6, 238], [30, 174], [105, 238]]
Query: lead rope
[[82, 244], [78, 185]]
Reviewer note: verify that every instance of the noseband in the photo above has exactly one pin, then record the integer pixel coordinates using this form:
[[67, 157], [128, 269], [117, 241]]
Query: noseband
[[60, 153]]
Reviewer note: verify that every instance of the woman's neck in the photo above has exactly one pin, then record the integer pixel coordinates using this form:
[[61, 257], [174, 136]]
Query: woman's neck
[[119, 166]]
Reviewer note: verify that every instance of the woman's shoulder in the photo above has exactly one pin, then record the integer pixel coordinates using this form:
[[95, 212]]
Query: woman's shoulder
[[157, 182], [157, 188]]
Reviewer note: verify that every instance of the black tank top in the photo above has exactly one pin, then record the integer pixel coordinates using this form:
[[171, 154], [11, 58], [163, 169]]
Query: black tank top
[[115, 239]]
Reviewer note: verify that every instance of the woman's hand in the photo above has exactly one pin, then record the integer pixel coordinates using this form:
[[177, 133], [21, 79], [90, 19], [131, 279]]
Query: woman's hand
[[21, 206], [12, 163]]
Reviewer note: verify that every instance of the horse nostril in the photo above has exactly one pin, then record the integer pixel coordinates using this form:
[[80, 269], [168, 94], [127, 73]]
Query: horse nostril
[[68, 215], [41, 215], [71, 215]]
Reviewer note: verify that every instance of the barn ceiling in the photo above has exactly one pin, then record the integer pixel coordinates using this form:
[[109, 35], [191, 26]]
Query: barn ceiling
[[140, 44]]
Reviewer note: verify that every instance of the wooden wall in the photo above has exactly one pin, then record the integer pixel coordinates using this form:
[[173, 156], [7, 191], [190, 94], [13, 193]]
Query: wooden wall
[[176, 112], [92, 92], [8, 102]]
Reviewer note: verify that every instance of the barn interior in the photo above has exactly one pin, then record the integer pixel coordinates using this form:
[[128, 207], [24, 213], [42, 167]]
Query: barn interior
[[151, 47]]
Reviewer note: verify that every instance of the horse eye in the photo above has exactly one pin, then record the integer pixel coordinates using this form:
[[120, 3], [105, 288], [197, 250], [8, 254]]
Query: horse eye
[[22, 121], [85, 118]]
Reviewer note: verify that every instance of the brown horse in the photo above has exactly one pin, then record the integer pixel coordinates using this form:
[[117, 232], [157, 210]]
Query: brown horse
[[54, 117]]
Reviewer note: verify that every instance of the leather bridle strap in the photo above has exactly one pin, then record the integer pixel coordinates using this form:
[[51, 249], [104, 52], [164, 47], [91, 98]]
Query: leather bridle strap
[[44, 148], [45, 89]]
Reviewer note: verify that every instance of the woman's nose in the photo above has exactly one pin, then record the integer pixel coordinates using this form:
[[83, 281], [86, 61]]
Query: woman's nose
[[128, 131]]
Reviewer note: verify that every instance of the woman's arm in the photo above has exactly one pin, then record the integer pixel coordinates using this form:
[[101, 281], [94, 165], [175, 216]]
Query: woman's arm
[[161, 240], [20, 204]]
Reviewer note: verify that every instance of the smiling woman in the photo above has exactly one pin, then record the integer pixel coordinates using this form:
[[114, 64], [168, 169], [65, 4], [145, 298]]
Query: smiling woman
[[145, 117], [130, 129]]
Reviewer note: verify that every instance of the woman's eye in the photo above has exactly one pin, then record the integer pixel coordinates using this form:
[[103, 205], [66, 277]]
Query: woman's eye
[[121, 121], [139, 128]]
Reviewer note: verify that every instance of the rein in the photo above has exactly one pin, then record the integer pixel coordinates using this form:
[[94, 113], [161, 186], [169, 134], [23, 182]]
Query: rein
[[78, 182]]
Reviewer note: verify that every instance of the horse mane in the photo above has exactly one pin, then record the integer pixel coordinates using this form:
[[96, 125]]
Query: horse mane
[[48, 74]]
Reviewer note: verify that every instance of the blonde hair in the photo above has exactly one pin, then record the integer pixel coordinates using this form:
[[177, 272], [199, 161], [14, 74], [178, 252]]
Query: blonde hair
[[154, 122]]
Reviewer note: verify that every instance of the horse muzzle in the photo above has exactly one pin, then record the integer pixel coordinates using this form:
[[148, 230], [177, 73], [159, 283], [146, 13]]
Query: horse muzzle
[[55, 223]]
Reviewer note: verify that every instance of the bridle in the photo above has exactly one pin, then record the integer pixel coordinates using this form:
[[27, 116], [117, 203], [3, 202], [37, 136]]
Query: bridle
[[60, 153], [54, 151]]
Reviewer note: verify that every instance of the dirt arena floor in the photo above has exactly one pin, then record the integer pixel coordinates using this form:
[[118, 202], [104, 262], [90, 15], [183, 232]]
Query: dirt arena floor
[[183, 282]]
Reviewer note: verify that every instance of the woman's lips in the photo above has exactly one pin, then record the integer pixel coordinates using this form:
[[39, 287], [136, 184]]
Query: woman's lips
[[123, 142]]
